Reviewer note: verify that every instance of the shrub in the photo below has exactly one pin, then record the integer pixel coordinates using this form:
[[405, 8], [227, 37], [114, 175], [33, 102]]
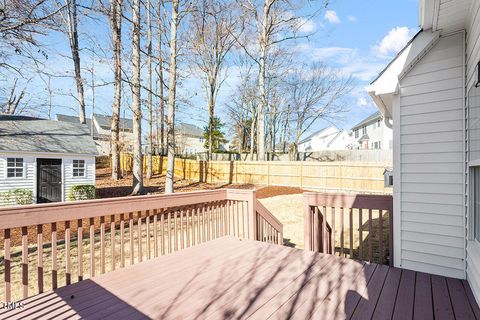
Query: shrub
[[16, 197], [81, 192]]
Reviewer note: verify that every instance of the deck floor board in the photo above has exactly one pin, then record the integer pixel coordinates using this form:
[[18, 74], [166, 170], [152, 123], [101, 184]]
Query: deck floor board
[[228, 278]]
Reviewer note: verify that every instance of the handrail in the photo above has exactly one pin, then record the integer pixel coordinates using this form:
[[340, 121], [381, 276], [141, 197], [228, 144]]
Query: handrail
[[269, 217], [33, 214]]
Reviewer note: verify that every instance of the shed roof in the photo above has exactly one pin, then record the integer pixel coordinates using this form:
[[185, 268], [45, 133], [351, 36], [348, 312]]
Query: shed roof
[[28, 134]]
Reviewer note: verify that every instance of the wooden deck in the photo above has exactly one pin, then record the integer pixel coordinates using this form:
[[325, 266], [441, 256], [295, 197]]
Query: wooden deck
[[230, 278]]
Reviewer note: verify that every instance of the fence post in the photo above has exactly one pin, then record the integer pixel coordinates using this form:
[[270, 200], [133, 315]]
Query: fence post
[[252, 215], [307, 225]]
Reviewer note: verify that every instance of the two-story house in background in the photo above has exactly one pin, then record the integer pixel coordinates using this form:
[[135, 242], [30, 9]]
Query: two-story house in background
[[372, 133], [329, 138], [99, 127]]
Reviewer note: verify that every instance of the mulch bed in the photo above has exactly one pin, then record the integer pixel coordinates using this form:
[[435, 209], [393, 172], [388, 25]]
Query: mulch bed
[[273, 191]]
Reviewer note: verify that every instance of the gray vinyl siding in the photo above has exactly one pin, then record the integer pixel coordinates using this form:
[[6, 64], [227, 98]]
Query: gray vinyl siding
[[472, 58], [432, 223]]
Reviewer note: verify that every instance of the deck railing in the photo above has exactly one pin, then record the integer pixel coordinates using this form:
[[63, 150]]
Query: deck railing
[[354, 226], [68, 242]]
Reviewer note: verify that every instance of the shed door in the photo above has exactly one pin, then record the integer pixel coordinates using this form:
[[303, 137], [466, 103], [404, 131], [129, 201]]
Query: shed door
[[49, 180]]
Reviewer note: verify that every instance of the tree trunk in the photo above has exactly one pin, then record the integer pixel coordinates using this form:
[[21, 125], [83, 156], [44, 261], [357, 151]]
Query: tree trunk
[[211, 115], [252, 135], [116, 25], [136, 102], [169, 179], [160, 71], [261, 83], [72, 25], [150, 107]]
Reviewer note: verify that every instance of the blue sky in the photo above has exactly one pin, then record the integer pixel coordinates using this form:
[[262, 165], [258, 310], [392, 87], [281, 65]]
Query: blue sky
[[359, 37]]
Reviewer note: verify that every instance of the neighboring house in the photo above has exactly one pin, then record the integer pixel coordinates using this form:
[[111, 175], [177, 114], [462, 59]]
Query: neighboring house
[[329, 138], [431, 93], [372, 133], [45, 157], [189, 139], [101, 131]]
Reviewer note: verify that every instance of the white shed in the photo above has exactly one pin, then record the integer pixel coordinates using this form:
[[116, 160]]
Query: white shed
[[43, 158], [431, 93]]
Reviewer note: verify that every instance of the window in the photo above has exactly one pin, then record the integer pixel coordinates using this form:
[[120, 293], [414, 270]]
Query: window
[[474, 157], [14, 167], [79, 168], [378, 123], [475, 176], [364, 130], [357, 134]]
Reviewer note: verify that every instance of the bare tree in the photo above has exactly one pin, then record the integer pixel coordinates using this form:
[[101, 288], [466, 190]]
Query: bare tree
[[172, 74], [315, 93], [149, 91], [70, 18], [160, 112], [15, 97], [136, 102], [212, 28], [22, 23], [274, 21], [116, 10]]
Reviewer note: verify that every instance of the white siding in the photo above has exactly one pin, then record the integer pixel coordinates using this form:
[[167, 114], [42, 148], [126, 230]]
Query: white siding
[[30, 179], [27, 182], [70, 180], [473, 57], [430, 159]]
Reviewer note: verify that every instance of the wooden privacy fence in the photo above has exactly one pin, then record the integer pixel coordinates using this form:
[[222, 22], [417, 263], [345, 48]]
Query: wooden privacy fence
[[102, 235], [353, 177], [355, 226]]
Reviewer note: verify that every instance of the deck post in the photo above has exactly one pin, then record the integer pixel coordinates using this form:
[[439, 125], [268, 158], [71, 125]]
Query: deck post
[[252, 215], [307, 224]]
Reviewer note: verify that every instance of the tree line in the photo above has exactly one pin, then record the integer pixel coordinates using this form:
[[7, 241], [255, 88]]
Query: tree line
[[153, 47]]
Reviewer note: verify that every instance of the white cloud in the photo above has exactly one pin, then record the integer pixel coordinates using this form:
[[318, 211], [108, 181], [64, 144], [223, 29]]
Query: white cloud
[[307, 26], [331, 16], [361, 101], [393, 42], [352, 18]]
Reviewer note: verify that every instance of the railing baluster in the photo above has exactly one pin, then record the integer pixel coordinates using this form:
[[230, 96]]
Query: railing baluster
[[208, 213], [122, 240], [25, 261], [40, 257], [139, 236], [370, 235], [238, 219], [132, 246], [380, 235], [325, 230], [203, 223], [7, 264], [92, 246], [147, 223], [112, 242], [316, 230], [243, 221], [360, 231], [334, 213], [342, 234], [182, 238], [188, 210], [80, 249], [68, 262], [155, 233], [197, 218], [175, 230], [102, 244], [212, 220], [54, 255], [169, 231], [350, 219], [217, 220], [162, 230]]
